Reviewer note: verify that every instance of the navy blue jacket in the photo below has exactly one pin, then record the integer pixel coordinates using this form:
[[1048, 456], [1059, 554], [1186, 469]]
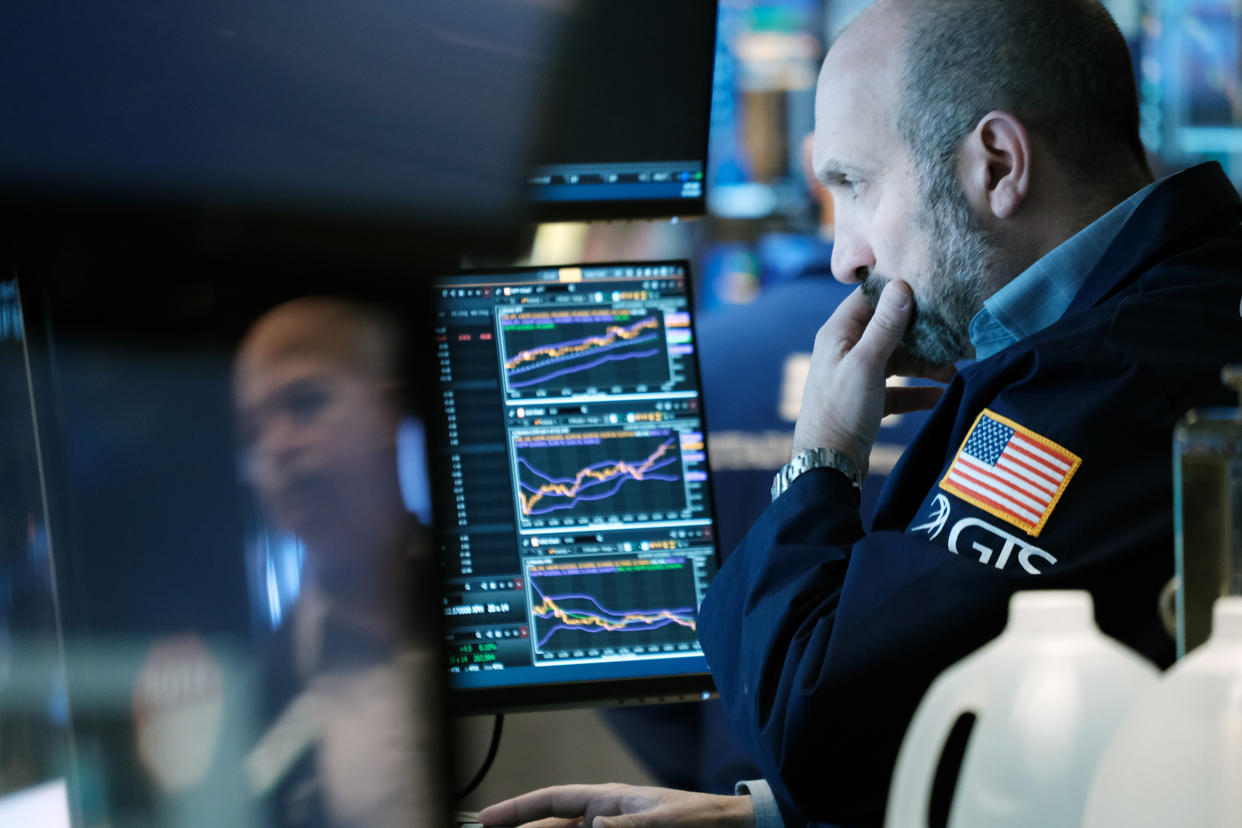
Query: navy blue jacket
[[822, 638]]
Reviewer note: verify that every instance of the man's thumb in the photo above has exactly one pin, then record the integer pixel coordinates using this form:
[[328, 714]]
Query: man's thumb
[[889, 322]]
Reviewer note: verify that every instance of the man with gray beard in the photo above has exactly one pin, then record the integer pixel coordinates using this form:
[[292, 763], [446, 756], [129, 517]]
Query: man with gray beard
[[993, 200]]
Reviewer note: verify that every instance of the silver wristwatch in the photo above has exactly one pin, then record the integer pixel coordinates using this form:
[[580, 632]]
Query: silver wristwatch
[[816, 458]]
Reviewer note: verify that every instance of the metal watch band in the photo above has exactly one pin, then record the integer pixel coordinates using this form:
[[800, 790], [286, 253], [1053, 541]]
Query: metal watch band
[[816, 458]]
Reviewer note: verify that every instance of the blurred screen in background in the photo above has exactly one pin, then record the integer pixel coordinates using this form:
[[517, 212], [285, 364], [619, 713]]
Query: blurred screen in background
[[171, 173]]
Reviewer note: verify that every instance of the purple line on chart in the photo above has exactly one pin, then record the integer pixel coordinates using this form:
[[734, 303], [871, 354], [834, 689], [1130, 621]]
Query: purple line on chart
[[591, 467], [594, 630], [584, 355], [615, 332], [595, 601], [575, 369], [602, 496]]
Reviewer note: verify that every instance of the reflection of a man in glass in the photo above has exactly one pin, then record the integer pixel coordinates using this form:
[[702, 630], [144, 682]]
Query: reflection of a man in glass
[[319, 391]]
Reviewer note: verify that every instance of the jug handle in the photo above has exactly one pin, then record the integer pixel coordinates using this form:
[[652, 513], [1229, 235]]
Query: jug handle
[[955, 693]]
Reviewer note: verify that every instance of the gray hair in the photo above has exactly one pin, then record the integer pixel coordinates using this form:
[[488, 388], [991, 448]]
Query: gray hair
[[1060, 66]]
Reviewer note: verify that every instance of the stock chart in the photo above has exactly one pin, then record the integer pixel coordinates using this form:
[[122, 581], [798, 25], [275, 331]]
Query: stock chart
[[596, 473], [576, 500], [573, 349], [640, 604]]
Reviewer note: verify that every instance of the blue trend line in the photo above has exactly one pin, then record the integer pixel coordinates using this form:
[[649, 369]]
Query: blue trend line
[[593, 466], [583, 354], [576, 368], [603, 496], [593, 630], [596, 602], [582, 339]]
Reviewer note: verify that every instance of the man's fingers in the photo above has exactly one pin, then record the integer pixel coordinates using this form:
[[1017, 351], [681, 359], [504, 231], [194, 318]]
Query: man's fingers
[[847, 323], [888, 323], [627, 821], [903, 399], [901, 364], [568, 801]]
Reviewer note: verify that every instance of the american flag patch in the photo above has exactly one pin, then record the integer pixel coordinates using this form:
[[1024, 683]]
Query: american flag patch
[[1010, 471]]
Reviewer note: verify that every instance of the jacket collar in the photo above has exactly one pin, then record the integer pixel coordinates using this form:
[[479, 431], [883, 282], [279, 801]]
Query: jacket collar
[[1179, 205]]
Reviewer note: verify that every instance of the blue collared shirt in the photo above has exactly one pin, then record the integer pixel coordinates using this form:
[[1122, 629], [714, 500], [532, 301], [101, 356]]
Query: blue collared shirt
[[1040, 294]]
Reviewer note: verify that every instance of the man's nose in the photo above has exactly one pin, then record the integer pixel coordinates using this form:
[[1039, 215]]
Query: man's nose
[[278, 440], [852, 258]]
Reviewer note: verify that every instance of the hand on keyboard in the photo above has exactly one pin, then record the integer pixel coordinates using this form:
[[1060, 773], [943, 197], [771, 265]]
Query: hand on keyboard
[[621, 806]]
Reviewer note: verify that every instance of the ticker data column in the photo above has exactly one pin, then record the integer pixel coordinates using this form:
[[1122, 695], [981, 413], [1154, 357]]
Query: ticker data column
[[476, 524]]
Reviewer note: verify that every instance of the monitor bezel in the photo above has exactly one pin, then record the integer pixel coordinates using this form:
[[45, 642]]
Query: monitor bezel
[[530, 698], [547, 212], [593, 692], [641, 208]]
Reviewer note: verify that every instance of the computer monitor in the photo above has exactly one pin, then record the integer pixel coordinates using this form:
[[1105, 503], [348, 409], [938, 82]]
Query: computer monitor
[[625, 126], [572, 491], [1190, 84], [190, 562], [381, 109]]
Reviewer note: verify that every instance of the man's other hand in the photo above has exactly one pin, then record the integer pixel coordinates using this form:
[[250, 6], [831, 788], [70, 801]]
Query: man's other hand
[[855, 351], [620, 806]]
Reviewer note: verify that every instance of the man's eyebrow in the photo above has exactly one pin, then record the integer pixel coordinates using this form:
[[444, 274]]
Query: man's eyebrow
[[835, 172]]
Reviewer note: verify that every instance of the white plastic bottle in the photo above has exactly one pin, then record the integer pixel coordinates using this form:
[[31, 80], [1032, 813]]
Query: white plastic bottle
[[1048, 694], [1177, 757]]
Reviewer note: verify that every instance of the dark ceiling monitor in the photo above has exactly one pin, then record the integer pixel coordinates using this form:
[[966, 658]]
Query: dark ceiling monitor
[[570, 477], [625, 126], [420, 113]]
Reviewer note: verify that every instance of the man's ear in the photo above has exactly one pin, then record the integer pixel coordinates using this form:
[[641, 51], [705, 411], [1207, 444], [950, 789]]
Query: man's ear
[[996, 164]]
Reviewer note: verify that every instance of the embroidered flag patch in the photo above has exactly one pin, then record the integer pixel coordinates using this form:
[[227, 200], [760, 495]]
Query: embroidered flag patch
[[1010, 471]]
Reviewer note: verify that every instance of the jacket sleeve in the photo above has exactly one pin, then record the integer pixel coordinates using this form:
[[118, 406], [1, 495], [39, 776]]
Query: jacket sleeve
[[822, 640]]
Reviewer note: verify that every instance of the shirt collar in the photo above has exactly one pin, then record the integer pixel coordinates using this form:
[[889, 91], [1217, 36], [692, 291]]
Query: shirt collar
[[1039, 295]]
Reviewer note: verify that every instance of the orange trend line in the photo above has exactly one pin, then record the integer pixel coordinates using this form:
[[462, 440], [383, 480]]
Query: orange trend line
[[635, 472], [587, 619], [611, 335]]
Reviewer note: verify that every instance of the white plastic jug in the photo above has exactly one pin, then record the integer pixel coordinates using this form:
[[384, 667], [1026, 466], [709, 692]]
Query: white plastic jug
[[1048, 694], [1177, 757]]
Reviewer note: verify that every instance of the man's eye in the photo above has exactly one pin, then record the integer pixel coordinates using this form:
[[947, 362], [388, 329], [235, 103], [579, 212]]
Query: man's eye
[[846, 185], [305, 405]]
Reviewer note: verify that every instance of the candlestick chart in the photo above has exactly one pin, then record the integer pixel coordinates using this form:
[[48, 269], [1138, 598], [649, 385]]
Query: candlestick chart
[[599, 473], [644, 602], [580, 348]]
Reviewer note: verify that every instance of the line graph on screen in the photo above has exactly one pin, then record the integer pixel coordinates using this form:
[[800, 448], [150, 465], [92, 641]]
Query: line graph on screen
[[575, 349], [590, 474], [642, 602]]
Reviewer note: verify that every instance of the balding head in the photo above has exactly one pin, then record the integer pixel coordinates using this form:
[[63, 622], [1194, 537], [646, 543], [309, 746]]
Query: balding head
[[962, 140], [363, 340], [316, 385], [859, 88], [1061, 67]]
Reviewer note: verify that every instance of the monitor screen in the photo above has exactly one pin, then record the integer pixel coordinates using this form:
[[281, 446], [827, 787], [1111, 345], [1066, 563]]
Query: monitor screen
[[625, 127], [1190, 84], [219, 437], [416, 111], [570, 475]]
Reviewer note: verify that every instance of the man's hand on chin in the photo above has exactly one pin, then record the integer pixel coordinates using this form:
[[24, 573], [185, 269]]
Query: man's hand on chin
[[846, 394], [620, 806]]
